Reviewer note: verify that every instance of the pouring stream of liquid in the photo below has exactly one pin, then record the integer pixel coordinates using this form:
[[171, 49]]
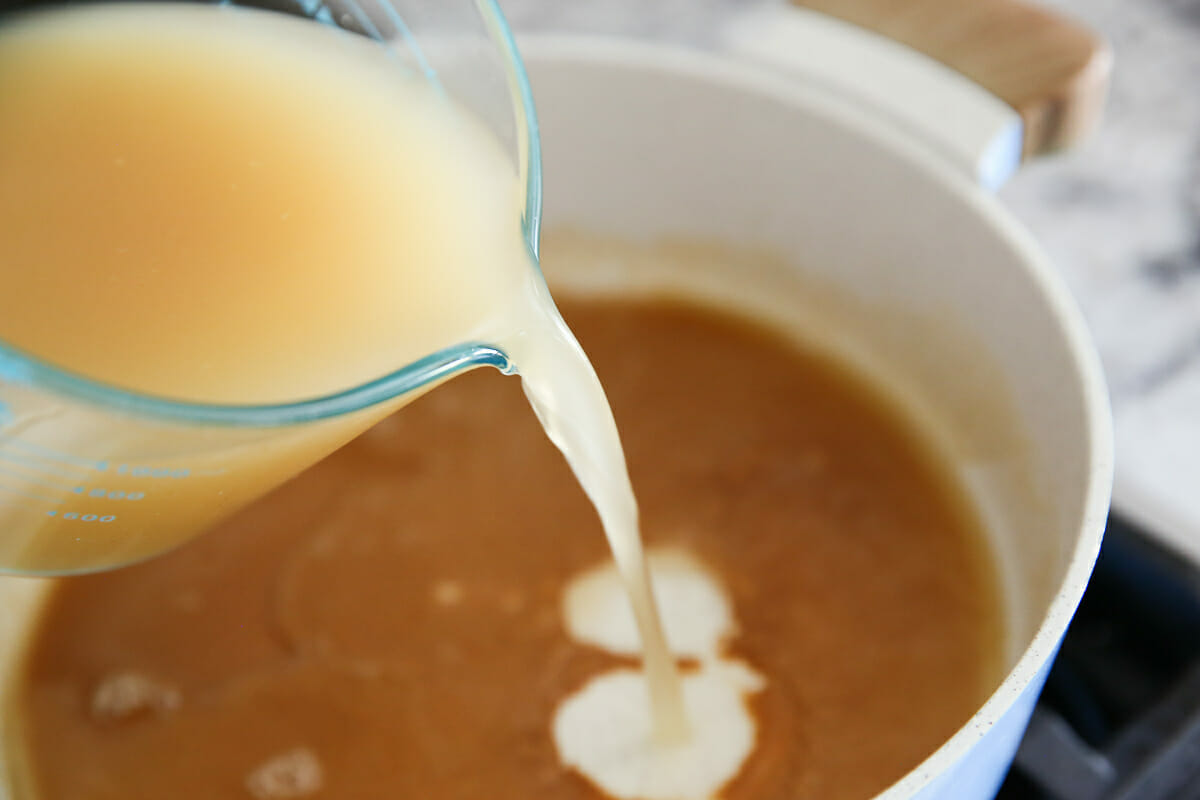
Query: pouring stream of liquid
[[570, 403]]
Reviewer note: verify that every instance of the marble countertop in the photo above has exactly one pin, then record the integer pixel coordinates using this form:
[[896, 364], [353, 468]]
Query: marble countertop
[[1120, 215]]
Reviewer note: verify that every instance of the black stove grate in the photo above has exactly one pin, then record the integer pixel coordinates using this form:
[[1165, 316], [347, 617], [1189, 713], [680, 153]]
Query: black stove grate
[[1120, 716]]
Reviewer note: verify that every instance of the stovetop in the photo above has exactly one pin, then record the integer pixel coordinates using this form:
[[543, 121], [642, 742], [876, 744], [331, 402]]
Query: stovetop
[[1120, 716]]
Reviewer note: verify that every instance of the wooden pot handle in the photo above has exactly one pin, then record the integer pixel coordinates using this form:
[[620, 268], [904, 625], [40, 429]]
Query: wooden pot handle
[[1053, 71]]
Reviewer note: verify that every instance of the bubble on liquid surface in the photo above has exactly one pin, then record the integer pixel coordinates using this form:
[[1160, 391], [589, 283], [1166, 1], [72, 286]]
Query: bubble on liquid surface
[[127, 695], [295, 773]]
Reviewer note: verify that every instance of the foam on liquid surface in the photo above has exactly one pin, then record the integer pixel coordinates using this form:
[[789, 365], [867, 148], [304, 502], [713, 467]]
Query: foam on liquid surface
[[605, 730]]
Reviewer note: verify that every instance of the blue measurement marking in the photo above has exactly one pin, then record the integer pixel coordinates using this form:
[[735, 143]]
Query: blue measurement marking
[[30, 463], [13, 369], [28, 495], [314, 9], [54, 455], [34, 479]]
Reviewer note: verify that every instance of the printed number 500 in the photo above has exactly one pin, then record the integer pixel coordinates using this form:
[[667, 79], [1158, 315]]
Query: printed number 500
[[75, 515]]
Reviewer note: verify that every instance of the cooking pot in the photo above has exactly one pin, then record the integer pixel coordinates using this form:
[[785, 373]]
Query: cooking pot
[[862, 170]]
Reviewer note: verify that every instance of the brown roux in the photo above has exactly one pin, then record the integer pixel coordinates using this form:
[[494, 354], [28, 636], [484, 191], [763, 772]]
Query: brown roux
[[390, 620]]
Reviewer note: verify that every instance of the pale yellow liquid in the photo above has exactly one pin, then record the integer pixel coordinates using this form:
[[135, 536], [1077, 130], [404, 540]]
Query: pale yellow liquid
[[217, 205]]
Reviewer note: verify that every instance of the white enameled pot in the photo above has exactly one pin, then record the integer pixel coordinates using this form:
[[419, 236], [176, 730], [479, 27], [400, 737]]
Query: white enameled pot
[[887, 247]]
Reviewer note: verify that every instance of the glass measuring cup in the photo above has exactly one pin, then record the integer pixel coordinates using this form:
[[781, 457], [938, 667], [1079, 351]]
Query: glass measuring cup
[[94, 476]]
